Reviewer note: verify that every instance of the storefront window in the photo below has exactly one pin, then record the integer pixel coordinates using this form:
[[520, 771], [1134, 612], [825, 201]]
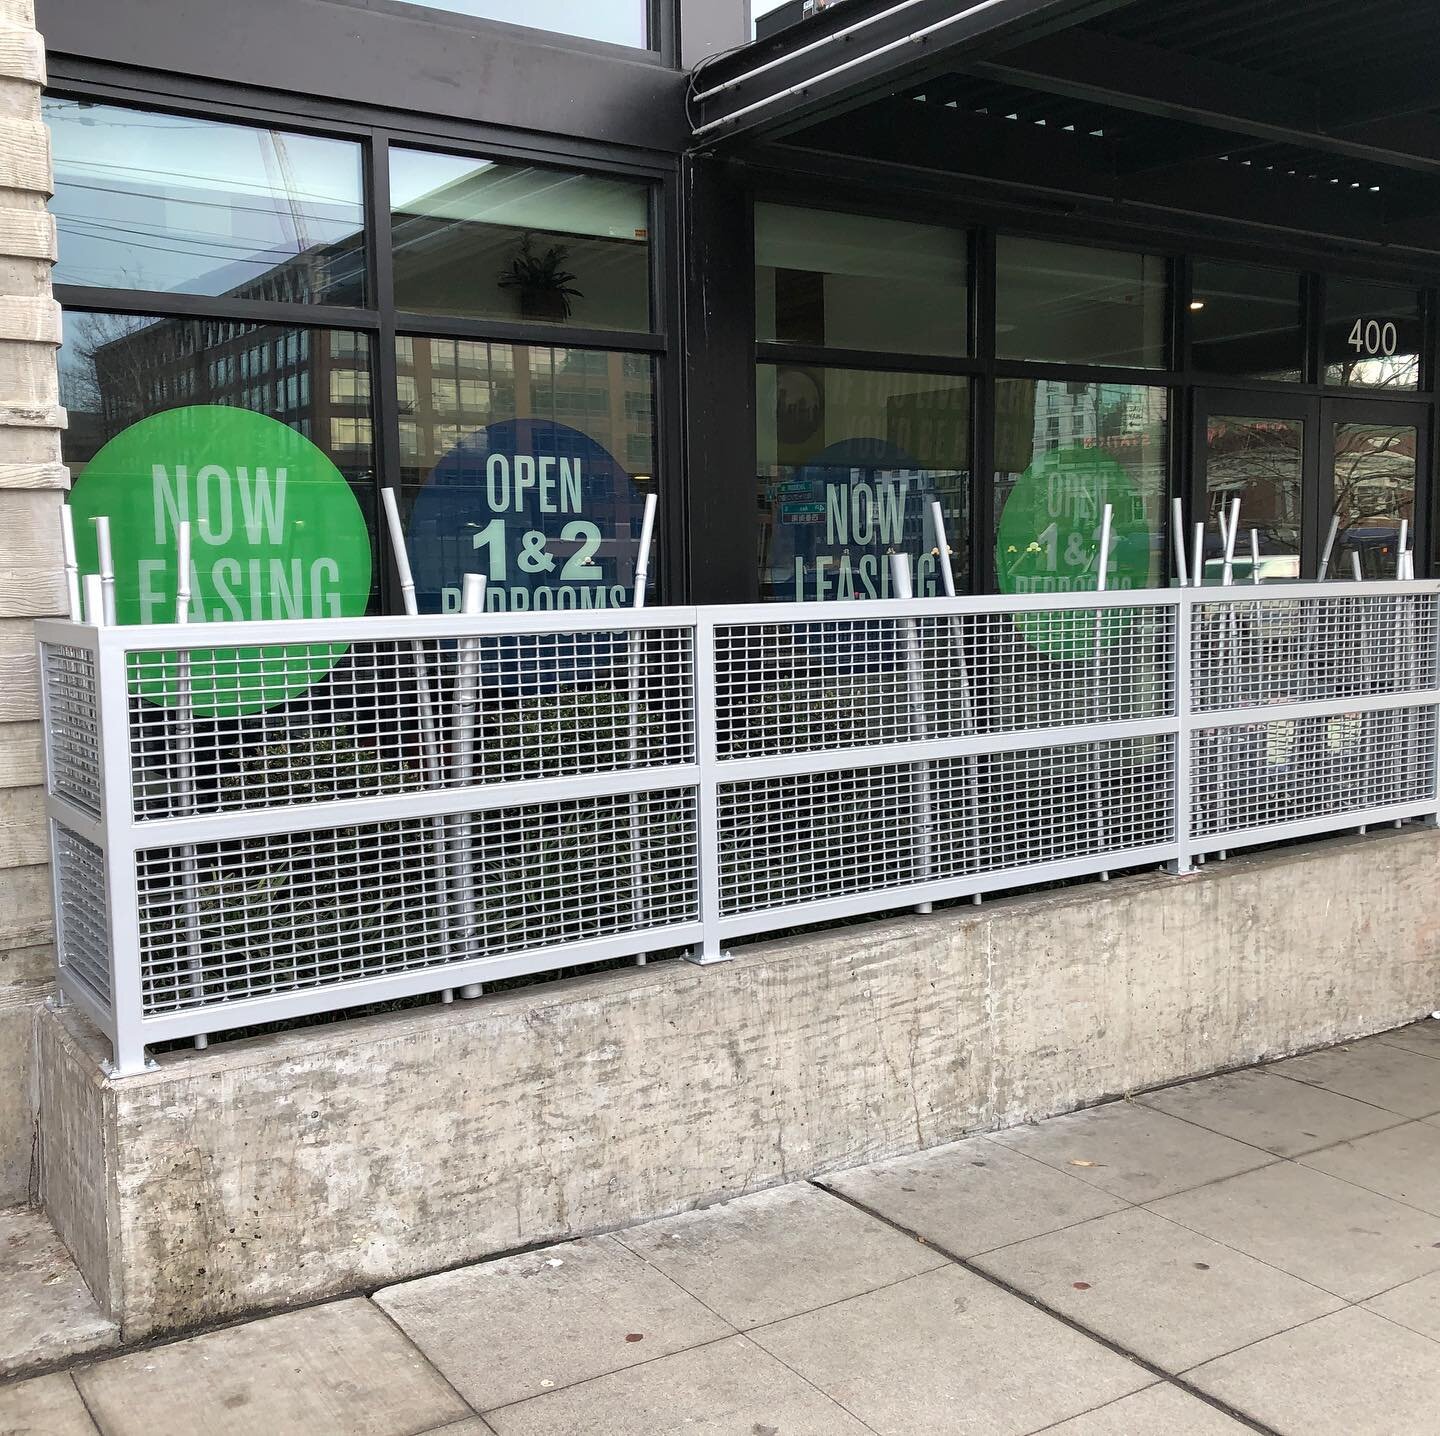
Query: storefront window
[[1065, 304], [1062, 452], [233, 427], [170, 203], [1247, 321], [1373, 335], [528, 464], [851, 281], [516, 242], [849, 464], [621, 22]]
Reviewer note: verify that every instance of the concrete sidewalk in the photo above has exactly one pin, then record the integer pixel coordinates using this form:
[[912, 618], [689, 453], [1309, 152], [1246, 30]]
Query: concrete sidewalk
[[1259, 1251]]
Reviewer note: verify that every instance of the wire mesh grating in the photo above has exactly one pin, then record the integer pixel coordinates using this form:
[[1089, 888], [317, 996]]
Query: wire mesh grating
[[72, 729], [83, 918], [1250, 652], [813, 837], [1256, 775], [792, 687], [389, 718], [225, 921]]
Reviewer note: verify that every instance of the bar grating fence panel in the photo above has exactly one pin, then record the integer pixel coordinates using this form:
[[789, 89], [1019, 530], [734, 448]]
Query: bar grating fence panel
[[224, 921], [811, 837], [1263, 774], [1250, 652], [278, 726], [72, 724], [794, 686], [83, 911], [511, 794]]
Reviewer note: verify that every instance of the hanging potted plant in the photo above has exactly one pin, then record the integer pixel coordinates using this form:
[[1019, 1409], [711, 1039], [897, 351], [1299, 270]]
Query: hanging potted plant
[[546, 288]]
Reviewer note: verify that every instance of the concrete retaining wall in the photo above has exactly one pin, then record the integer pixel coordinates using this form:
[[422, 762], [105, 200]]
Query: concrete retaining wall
[[32, 485], [307, 1164]]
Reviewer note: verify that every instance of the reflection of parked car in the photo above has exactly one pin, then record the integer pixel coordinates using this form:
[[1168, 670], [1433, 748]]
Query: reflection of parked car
[[1274, 568], [1377, 550]]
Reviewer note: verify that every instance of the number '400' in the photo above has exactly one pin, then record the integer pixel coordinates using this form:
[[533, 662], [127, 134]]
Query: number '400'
[[1370, 336]]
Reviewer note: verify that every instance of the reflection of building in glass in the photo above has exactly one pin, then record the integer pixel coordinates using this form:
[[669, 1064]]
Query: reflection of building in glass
[[449, 388], [118, 369]]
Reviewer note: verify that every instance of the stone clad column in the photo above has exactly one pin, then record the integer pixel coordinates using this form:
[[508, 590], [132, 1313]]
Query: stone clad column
[[32, 487]]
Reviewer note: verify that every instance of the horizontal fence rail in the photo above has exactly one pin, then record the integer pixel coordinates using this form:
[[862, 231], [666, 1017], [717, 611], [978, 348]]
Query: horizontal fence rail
[[252, 822]]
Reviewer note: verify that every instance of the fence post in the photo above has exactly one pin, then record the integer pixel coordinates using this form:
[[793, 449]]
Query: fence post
[[708, 806], [1184, 642], [117, 816]]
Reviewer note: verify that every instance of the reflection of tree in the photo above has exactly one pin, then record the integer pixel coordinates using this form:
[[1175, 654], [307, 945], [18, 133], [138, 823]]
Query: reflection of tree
[[1374, 487], [1402, 371], [114, 363], [1260, 463]]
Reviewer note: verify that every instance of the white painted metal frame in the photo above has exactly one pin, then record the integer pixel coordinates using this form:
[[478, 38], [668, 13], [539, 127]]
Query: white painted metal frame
[[124, 838]]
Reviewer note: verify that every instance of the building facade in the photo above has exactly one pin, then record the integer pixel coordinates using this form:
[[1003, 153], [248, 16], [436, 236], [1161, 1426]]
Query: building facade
[[528, 264]]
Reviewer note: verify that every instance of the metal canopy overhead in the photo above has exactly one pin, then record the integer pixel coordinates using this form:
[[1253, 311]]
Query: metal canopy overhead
[[1318, 117]]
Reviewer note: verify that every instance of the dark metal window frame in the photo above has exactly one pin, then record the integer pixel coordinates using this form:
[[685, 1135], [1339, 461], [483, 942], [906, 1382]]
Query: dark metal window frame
[[379, 318], [1183, 383]]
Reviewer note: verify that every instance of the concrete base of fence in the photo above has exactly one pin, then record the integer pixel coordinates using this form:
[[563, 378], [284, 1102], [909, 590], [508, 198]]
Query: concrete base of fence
[[306, 1164]]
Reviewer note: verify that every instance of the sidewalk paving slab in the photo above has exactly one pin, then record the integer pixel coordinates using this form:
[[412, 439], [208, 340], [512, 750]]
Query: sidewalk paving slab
[[1168, 1294], [1156, 1411], [947, 1353], [1333, 1234], [1416, 1305], [44, 1406], [1423, 1037], [47, 1314], [973, 1195], [1131, 1151], [1278, 1116], [475, 1426], [337, 1368], [1391, 1077], [779, 1253], [729, 1388], [514, 1328], [1353, 1373], [1400, 1162]]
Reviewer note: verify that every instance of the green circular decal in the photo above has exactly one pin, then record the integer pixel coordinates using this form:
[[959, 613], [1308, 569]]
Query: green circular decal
[[1049, 542], [275, 533]]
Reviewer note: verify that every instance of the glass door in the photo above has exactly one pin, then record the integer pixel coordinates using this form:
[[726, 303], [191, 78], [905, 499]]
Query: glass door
[[1262, 450], [1372, 457]]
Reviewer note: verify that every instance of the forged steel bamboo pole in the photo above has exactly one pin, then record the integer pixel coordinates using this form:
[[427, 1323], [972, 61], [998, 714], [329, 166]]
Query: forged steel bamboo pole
[[72, 565], [185, 777], [431, 767], [467, 712], [638, 893], [962, 677], [1102, 574], [94, 600], [1254, 555], [1229, 627], [1177, 529], [1329, 546], [903, 585], [107, 565], [1197, 557]]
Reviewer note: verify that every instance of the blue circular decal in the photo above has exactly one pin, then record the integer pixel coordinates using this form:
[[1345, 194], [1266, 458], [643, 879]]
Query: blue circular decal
[[543, 511]]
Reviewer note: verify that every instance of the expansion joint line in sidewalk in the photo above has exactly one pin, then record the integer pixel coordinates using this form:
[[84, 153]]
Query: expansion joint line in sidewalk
[[1159, 1372]]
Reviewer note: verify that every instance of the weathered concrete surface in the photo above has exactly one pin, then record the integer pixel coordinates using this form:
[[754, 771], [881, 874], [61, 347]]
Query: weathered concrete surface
[[25, 983], [297, 1166], [46, 1313]]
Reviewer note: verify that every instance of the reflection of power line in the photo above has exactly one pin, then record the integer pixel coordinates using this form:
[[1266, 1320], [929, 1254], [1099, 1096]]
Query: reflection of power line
[[241, 245], [101, 171], [225, 206]]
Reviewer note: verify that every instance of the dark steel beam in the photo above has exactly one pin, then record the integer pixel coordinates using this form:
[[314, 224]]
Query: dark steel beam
[[1149, 80], [914, 137], [861, 50]]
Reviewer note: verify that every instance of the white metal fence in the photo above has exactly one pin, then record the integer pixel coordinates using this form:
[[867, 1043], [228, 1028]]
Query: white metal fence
[[256, 821]]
